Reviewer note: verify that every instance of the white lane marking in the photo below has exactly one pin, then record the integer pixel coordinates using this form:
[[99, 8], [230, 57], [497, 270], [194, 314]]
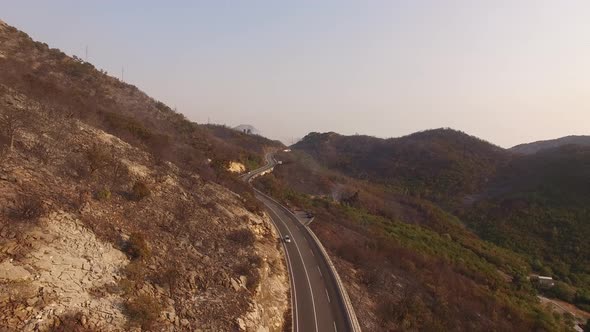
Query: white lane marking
[[320, 271], [335, 329], [311, 251], [295, 324], [315, 317], [294, 319], [328, 296]]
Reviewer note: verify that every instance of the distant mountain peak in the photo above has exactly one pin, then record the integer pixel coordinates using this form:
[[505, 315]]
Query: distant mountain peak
[[534, 147]]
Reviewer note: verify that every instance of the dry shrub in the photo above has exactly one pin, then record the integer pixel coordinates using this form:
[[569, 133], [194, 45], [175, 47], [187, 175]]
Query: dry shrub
[[135, 272], [253, 279], [75, 166], [252, 204], [41, 152], [27, 208], [119, 173], [84, 197], [255, 260], [143, 311], [210, 205], [70, 323], [352, 253], [97, 158], [136, 247], [140, 191], [372, 278], [170, 278], [3, 153], [242, 236], [183, 211], [250, 269]]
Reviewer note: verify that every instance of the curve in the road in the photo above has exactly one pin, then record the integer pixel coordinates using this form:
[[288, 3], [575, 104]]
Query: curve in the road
[[318, 300]]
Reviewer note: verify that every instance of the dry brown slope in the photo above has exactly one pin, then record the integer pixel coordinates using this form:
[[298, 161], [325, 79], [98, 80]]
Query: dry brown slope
[[100, 234]]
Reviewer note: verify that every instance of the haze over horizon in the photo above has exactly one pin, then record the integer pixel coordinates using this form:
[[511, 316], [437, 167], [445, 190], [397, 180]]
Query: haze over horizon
[[509, 72]]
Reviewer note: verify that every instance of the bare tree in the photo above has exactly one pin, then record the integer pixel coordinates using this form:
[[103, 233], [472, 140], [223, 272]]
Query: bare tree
[[12, 120]]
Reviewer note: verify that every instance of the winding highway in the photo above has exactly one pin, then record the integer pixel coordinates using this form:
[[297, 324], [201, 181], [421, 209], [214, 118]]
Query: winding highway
[[316, 298]]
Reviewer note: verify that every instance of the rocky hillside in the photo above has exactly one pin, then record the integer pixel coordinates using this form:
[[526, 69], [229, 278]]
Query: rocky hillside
[[115, 212], [534, 147], [255, 145], [76, 89]]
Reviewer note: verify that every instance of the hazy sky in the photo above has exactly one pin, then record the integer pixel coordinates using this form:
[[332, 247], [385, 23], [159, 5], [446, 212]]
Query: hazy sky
[[506, 71]]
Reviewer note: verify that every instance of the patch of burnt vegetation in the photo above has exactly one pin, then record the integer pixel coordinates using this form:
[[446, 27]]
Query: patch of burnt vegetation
[[143, 311], [243, 236], [27, 208]]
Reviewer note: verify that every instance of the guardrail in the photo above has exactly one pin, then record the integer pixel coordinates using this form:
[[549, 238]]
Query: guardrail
[[350, 313], [352, 319]]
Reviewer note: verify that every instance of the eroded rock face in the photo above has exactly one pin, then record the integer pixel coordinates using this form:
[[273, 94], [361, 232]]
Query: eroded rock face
[[270, 301], [236, 167], [66, 262]]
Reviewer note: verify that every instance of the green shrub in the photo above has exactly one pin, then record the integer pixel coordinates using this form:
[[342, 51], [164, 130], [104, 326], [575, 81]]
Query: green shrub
[[140, 190], [103, 194], [562, 291]]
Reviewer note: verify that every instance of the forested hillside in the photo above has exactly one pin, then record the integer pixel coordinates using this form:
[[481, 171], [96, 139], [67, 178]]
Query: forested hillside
[[409, 264], [539, 205], [534, 147], [534, 206], [442, 165]]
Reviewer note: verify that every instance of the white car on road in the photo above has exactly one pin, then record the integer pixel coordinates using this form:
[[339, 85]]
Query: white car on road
[[287, 239]]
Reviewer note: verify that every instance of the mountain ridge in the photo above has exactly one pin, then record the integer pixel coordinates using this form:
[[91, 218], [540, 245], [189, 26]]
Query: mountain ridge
[[534, 147]]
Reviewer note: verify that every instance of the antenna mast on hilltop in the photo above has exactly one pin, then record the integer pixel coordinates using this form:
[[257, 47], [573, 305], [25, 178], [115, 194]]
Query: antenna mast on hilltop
[[122, 73], [86, 54]]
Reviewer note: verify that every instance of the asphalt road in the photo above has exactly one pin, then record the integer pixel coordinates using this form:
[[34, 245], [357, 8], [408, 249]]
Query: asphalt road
[[316, 302]]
